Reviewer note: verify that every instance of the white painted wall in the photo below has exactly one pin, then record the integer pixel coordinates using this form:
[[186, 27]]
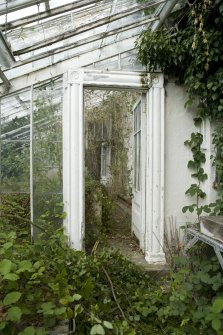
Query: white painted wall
[[179, 126]]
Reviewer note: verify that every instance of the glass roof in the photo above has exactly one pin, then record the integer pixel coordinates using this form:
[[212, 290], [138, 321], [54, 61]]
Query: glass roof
[[43, 33]]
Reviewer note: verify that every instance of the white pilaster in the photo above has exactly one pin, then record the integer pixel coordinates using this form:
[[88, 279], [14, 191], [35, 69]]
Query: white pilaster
[[73, 159], [155, 175]]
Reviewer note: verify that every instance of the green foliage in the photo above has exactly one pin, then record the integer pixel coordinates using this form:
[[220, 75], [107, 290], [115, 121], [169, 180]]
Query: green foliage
[[14, 155], [196, 164], [45, 282], [15, 209], [194, 290], [218, 159], [109, 122], [189, 47], [46, 149], [98, 211]]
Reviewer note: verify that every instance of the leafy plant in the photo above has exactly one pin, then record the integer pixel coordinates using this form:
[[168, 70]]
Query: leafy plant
[[98, 212], [196, 164], [188, 48], [46, 282]]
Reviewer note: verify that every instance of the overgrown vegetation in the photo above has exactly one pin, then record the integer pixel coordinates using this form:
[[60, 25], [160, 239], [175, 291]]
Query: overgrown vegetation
[[189, 48], [46, 282], [108, 116], [99, 206]]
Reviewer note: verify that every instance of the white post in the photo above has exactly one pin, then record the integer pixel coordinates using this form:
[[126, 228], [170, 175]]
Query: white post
[[31, 163], [155, 174], [73, 159]]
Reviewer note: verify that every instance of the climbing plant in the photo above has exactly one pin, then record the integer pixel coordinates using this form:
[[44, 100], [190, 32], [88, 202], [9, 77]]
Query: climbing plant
[[196, 165], [189, 47]]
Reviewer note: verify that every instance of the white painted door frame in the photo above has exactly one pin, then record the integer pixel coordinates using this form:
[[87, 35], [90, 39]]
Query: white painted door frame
[[139, 194], [73, 152]]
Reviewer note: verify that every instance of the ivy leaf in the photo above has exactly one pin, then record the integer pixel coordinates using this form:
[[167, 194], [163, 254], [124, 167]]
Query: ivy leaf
[[205, 278], [66, 300], [97, 329], [11, 298], [76, 297], [47, 308], [185, 208], [37, 265], [14, 314], [87, 288], [7, 245], [60, 310], [2, 325], [107, 324], [216, 324], [5, 266], [25, 266], [218, 305], [11, 277]]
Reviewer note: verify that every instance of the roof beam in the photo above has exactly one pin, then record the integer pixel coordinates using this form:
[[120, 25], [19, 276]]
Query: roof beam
[[47, 71], [11, 6], [43, 15], [6, 57], [87, 40], [47, 5], [4, 79], [165, 11], [88, 27]]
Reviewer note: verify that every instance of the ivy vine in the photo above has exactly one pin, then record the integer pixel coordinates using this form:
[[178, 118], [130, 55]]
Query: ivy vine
[[189, 47]]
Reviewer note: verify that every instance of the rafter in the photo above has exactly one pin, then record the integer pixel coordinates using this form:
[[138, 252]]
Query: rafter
[[87, 27], [47, 5], [163, 12], [4, 79], [43, 15], [90, 39], [30, 76], [6, 56], [12, 6]]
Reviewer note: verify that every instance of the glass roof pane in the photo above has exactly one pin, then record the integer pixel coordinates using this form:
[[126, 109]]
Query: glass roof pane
[[58, 3], [15, 109], [102, 28], [21, 13], [27, 36], [44, 32]]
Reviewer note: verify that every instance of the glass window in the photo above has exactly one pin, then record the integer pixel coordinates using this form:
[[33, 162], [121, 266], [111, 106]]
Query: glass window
[[137, 146], [47, 147], [15, 142], [104, 153]]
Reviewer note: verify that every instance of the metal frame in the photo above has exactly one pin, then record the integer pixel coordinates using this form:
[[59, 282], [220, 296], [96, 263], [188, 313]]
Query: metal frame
[[73, 51], [27, 76], [87, 27], [16, 5], [197, 236], [163, 11], [44, 15], [4, 79], [6, 57], [90, 39]]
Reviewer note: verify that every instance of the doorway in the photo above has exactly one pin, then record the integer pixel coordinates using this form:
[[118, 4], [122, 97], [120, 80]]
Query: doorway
[[74, 151], [114, 160]]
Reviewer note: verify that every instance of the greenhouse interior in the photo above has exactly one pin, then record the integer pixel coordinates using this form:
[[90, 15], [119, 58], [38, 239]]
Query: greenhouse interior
[[42, 42], [111, 167]]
